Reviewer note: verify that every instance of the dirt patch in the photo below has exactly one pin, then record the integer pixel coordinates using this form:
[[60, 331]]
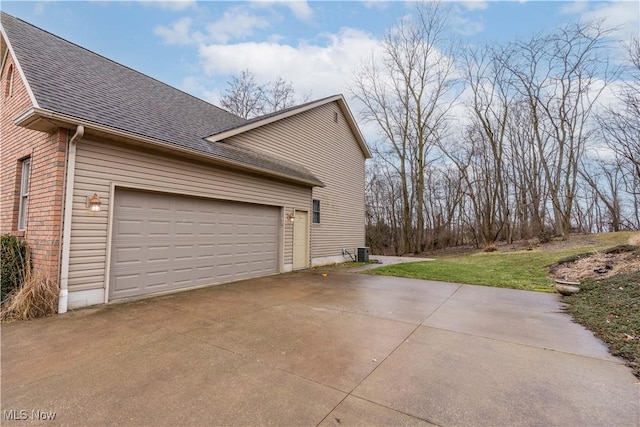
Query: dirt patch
[[599, 265], [556, 243]]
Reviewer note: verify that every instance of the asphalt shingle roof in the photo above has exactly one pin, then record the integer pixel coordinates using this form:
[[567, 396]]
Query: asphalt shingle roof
[[71, 80]]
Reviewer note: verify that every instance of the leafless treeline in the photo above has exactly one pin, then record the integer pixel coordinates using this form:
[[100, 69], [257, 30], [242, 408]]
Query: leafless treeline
[[248, 98], [483, 144]]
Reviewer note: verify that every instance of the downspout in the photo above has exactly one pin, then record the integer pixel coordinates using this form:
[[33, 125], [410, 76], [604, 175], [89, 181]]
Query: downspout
[[66, 226]]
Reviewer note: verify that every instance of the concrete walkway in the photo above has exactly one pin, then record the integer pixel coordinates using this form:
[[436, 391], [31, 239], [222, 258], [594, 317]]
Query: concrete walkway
[[383, 260], [307, 349]]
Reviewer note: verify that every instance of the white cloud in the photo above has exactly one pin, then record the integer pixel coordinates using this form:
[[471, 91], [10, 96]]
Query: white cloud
[[473, 4], [466, 26], [376, 4], [175, 5], [576, 6], [200, 88], [300, 8], [40, 7], [625, 15], [609, 97], [236, 23], [320, 70], [275, 38], [178, 33]]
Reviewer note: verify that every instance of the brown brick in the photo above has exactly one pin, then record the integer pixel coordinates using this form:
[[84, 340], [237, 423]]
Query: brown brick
[[47, 152]]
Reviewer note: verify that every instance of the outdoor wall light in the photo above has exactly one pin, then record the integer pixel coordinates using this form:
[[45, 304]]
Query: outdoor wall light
[[290, 216], [94, 203]]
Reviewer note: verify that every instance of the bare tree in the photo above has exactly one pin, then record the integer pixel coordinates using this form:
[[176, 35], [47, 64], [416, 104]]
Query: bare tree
[[527, 177], [518, 165], [482, 159], [443, 198], [383, 206], [606, 180], [560, 76], [243, 96], [279, 94], [247, 98], [408, 94], [620, 124]]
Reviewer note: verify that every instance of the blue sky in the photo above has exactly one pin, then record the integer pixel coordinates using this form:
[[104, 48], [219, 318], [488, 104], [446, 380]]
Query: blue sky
[[197, 46]]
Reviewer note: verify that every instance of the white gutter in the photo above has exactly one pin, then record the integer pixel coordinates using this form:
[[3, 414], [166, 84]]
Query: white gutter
[[66, 227]]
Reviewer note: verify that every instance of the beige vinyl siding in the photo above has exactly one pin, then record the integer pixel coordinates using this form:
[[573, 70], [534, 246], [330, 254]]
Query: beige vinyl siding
[[100, 164], [331, 152]]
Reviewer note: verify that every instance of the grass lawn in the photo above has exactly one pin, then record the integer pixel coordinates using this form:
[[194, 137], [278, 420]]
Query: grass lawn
[[611, 309], [505, 269]]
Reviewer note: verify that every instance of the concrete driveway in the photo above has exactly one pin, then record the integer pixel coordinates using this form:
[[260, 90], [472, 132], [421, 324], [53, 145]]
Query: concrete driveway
[[305, 349]]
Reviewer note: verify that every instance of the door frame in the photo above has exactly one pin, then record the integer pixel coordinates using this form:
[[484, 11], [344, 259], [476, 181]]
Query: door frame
[[306, 239]]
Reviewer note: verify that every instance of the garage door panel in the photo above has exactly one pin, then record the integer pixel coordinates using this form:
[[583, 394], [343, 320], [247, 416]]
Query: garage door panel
[[163, 242], [205, 272], [156, 280], [156, 205], [127, 255], [206, 229], [126, 282], [129, 228], [185, 228], [131, 202], [157, 253], [182, 252], [158, 228], [182, 276], [225, 272], [206, 251], [225, 249], [186, 207]]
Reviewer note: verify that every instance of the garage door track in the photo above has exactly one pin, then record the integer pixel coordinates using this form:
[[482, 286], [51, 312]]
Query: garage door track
[[309, 349]]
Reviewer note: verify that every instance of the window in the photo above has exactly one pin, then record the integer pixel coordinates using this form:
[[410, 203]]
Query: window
[[24, 194], [316, 211]]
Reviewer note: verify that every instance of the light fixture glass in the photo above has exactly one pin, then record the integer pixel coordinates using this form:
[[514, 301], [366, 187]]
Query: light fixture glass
[[94, 203]]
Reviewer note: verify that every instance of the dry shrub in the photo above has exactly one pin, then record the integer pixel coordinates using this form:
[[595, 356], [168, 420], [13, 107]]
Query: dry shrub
[[37, 297], [545, 236], [635, 240], [491, 247], [14, 253]]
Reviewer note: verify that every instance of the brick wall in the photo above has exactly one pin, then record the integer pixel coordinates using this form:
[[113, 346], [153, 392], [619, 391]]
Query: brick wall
[[47, 151]]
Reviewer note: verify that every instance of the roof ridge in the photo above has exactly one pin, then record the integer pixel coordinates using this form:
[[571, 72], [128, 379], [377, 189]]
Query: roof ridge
[[293, 107], [118, 63]]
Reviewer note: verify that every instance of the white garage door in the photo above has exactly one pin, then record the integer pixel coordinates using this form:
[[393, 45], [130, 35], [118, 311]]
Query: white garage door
[[163, 242]]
